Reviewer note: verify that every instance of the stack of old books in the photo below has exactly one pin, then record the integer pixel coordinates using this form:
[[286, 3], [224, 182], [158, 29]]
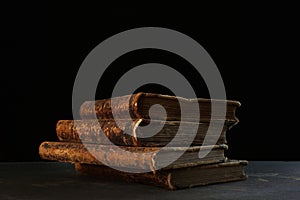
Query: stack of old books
[[114, 140]]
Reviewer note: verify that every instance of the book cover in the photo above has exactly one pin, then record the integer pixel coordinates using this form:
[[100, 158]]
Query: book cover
[[138, 106], [173, 179], [143, 158], [132, 133]]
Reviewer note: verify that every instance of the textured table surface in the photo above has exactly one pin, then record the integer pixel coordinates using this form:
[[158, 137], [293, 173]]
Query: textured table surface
[[49, 180]]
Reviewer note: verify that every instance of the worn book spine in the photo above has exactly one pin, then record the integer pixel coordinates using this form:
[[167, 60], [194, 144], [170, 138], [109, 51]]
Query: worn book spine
[[161, 179], [77, 152], [128, 133], [132, 104], [103, 108], [164, 178], [145, 158]]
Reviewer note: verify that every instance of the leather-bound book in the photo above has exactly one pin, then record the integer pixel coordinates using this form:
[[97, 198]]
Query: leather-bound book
[[173, 179], [137, 107], [140, 158], [134, 133]]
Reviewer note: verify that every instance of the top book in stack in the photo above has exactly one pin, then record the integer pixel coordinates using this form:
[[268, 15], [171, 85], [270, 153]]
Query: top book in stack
[[138, 105]]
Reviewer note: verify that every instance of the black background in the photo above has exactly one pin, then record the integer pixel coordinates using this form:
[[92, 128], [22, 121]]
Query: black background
[[255, 47]]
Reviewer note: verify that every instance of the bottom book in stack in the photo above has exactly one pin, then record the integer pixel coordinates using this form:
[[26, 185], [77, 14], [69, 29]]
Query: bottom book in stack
[[231, 170], [187, 171]]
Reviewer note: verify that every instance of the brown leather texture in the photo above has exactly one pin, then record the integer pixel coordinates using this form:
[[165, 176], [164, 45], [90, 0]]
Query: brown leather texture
[[133, 105], [121, 133]]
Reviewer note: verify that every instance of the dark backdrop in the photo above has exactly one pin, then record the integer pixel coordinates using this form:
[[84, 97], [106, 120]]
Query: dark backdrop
[[43, 46]]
